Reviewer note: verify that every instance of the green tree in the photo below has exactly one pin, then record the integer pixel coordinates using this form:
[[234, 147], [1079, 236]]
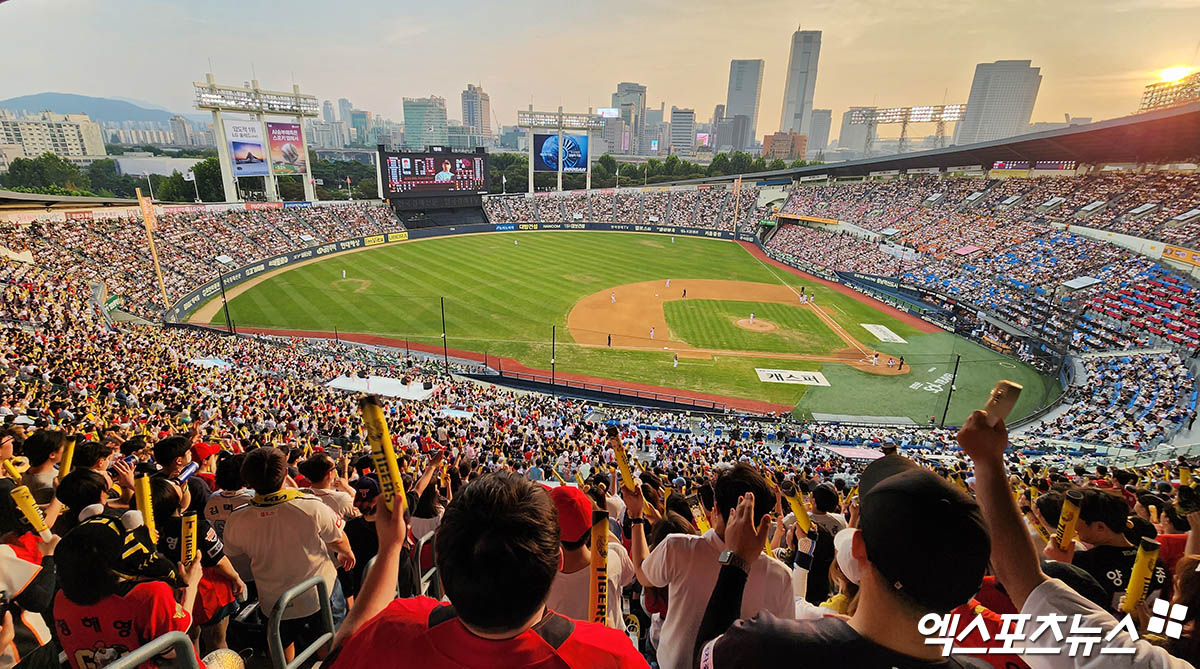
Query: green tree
[[739, 163], [777, 164], [44, 171], [670, 167], [608, 163], [719, 165], [107, 181], [799, 163], [208, 179], [759, 165]]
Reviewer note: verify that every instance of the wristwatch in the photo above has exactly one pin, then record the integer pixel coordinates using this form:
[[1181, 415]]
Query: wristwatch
[[733, 559]]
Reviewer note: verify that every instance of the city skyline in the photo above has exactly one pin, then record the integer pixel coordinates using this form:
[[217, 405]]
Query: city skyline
[[1098, 68]]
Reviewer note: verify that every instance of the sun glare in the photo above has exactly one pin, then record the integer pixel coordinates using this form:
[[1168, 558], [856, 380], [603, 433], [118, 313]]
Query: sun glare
[[1174, 73]]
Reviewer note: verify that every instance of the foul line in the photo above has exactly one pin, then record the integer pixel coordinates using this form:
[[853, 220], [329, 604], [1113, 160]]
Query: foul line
[[826, 318]]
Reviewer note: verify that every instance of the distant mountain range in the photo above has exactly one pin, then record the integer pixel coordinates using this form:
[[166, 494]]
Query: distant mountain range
[[99, 109]]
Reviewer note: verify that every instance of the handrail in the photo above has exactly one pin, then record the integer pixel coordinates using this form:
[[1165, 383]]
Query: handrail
[[431, 585], [185, 654], [274, 638]]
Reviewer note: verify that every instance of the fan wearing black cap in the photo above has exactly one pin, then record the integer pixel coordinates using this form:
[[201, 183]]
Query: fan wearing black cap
[[922, 547], [1016, 565]]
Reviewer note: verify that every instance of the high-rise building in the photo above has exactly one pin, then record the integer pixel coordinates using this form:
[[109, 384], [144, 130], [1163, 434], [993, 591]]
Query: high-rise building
[[732, 132], [181, 132], [1000, 103], [360, 121], [745, 90], [852, 137], [718, 116], [630, 99], [322, 135], [327, 112], [61, 134], [818, 136], [800, 82], [683, 132], [477, 110], [425, 123], [344, 109]]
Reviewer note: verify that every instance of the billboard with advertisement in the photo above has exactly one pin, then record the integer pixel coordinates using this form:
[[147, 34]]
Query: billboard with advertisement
[[702, 139], [609, 112], [247, 150], [287, 148], [574, 153], [411, 174]]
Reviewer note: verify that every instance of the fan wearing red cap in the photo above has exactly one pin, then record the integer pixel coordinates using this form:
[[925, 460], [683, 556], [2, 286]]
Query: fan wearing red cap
[[569, 594]]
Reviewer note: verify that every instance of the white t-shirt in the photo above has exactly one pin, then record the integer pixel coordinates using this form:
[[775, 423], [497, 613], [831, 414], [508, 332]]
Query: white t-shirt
[[422, 526], [1055, 597], [340, 501], [287, 543], [220, 506], [570, 595], [687, 565]]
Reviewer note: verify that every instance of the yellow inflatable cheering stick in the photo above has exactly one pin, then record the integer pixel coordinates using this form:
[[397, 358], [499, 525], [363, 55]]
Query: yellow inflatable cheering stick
[[383, 453], [1067, 518], [598, 575], [1139, 577]]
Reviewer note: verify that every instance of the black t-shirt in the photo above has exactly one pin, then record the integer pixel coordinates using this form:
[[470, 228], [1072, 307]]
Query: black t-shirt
[[364, 541], [209, 547], [767, 641], [200, 493], [1111, 567]]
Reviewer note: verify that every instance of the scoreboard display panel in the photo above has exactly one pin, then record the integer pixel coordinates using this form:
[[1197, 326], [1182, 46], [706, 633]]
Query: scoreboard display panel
[[1055, 165], [433, 173]]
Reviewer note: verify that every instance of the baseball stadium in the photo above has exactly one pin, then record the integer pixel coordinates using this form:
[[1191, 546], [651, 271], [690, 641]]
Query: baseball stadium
[[452, 425]]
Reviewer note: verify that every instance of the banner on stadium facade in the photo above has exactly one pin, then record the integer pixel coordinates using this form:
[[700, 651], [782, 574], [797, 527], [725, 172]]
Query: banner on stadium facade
[[247, 151], [1181, 254], [574, 153], [287, 148]]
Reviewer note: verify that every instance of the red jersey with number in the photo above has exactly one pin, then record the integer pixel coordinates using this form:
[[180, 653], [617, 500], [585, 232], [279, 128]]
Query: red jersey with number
[[96, 635], [429, 634]]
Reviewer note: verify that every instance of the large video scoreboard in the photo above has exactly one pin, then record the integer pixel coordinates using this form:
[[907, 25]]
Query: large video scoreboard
[[433, 173]]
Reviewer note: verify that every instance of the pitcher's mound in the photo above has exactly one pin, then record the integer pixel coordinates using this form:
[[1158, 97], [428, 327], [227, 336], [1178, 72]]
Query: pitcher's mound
[[759, 325]]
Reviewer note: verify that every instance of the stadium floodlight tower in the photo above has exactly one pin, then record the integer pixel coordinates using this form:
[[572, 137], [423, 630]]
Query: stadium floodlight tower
[[258, 103], [559, 122], [871, 117]]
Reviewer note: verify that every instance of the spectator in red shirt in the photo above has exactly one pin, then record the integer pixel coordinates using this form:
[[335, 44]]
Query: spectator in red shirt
[[102, 613], [498, 551]]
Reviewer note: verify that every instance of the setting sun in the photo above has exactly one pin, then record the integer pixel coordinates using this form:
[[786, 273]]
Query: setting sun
[[1174, 73]]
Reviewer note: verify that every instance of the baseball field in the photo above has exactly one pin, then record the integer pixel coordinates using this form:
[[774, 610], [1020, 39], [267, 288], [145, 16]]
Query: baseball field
[[701, 316]]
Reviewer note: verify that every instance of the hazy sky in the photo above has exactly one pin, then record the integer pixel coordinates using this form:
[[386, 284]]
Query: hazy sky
[[1095, 55]]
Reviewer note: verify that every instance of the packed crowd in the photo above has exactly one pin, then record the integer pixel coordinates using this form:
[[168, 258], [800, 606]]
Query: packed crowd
[[1136, 203], [488, 554], [992, 243], [1133, 401], [701, 208], [192, 247], [837, 251]]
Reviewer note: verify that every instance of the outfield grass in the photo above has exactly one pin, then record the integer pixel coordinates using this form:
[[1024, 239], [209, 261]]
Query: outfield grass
[[503, 298], [713, 324]]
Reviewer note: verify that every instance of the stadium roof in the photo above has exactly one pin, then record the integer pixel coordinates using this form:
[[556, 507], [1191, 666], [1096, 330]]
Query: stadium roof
[[11, 199], [1163, 136]]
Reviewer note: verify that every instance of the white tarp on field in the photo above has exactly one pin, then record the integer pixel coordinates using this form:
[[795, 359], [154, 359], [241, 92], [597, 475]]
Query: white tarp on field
[[791, 376], [382, 385], [882, 333]]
